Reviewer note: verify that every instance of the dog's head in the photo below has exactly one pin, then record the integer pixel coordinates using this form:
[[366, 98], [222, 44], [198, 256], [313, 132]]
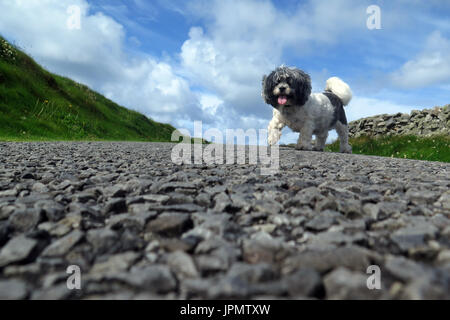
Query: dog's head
[[286, 86]]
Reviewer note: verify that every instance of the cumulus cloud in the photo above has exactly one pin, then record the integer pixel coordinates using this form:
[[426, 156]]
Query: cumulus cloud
[[431, 66], [361, 107]]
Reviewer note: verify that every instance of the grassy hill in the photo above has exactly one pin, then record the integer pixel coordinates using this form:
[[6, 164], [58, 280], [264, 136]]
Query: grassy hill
[[38, 105]]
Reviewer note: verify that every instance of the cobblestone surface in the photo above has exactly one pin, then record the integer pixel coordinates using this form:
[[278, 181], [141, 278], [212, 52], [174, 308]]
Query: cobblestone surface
[[140, 226]]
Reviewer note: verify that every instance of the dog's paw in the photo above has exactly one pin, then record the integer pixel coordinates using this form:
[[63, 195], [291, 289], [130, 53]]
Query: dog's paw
[[303, 147], [318, 149], [271, 141], [273, 138], [346, 149]]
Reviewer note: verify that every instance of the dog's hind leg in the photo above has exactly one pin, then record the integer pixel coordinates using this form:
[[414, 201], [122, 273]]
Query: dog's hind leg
[[321, 139], [342, 131]]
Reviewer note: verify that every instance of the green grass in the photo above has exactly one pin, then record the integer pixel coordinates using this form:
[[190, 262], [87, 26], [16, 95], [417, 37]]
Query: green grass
[[37, 105], [435, 148]]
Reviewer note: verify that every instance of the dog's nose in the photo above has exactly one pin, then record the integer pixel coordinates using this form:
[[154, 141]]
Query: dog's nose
[[282, 89]]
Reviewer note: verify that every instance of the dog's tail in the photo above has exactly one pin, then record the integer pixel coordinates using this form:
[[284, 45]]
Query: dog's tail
[[339, 88]]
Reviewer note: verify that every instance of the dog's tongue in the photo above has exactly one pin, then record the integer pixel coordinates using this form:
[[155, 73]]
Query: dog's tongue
[[282, 100]]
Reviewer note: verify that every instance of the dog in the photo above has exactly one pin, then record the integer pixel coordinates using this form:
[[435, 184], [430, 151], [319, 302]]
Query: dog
[[288, 91]]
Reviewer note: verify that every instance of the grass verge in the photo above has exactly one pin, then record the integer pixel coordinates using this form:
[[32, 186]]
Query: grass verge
[[435, 148]]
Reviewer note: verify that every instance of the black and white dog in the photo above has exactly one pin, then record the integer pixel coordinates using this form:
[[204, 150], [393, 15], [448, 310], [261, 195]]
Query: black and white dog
[[288, 90]]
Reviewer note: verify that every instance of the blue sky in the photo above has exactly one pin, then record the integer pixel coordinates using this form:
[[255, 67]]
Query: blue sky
[[182, 61]]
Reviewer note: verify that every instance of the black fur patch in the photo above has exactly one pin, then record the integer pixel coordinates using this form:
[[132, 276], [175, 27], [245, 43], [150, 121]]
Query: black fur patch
[[339, 113]]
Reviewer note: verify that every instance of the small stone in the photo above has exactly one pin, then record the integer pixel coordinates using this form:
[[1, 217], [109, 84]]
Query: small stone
[[39, 187], [126, 221], [52, 210], [424, 289], [444, 256], [328, 203], [85, 196], [444, 201], [304, 283], [16, 250], [267, 228], [154, 278], [5, 231], [116, 205], [170, 224], [7, 210], [403, 269], [351, 208], [268, 206], [62, 246], [28, 175], [156, 198], [419, 197], [25, 220], [350, 257], [58, 292], [114, 264], [203, 199], [372, 210], [413, 236], [344, 284], [208, 264], [262, 248], [222, 202], [13, 289], [182, 265], [102, 240], [116, 191], [8, 193], [65, 225], [184, 244], [322, 221], [64, 185], [28, 270]]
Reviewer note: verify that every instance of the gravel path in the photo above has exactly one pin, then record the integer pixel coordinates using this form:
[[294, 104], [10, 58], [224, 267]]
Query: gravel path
[[141, 227]]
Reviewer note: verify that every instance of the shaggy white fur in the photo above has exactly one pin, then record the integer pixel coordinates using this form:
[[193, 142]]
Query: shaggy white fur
[[320, 113]]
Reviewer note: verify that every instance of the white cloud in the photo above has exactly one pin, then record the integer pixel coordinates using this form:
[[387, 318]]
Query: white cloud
[[361, 107], [431, 66]]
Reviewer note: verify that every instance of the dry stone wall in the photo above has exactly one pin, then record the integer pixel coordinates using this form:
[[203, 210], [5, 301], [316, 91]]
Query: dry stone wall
[[425, 122]]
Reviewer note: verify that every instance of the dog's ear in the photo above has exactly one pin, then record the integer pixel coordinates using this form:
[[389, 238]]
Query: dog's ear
[[302, 84], [264, 91]]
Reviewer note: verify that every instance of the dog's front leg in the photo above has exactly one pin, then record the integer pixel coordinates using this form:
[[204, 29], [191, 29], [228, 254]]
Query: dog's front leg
[[275, 127], [305, 139], [321, 139]]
